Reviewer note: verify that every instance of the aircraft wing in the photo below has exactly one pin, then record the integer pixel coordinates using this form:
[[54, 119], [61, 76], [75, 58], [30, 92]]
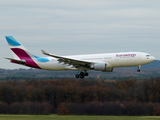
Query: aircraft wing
[[69, 61]]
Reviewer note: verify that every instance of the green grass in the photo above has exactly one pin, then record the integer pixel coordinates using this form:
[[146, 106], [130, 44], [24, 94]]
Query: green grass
[[75, 117]]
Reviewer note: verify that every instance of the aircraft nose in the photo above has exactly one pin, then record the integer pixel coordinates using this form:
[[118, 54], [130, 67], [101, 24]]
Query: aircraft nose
[[153, 58]]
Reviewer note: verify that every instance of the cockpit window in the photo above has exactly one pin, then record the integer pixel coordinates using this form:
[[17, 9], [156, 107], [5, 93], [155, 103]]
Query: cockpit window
[[147, 55]]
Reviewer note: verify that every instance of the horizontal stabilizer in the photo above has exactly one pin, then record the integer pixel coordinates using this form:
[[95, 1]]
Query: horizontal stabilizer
[[17, 61]]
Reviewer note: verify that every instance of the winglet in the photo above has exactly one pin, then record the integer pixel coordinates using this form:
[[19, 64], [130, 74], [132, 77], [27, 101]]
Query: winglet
[[44, 52], [56, 56]]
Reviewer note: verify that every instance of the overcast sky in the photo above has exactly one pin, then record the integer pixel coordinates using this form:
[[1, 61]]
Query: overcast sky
[[68, 27]]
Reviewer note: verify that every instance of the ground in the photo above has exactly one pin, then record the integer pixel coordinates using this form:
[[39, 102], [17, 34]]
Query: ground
[[75, 117]]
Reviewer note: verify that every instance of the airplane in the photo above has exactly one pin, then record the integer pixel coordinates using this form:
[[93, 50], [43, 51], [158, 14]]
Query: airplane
[[105, 62]]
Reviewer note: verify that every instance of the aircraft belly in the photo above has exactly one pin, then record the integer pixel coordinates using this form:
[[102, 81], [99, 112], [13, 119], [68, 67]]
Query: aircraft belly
[[52, 66]]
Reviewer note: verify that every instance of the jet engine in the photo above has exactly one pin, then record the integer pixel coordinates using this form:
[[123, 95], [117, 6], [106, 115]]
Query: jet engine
[[101, 67]]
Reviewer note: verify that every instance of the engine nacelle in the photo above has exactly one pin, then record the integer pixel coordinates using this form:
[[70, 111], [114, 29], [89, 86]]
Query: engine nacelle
[[101, 67]]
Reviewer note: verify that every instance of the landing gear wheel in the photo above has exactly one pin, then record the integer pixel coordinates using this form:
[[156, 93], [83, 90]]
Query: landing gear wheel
[[81, 76], [138, 70], [77, 76], [86, 74]]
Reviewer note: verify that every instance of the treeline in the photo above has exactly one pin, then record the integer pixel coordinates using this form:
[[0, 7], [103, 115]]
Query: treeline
[[129, 108], [35, 108], [118, 74], [70, 96]]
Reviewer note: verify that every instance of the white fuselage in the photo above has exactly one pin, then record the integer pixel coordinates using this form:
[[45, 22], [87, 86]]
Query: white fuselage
[[122, 59]]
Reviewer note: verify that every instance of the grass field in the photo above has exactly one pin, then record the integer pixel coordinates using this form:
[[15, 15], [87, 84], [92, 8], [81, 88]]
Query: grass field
[[74, 117]]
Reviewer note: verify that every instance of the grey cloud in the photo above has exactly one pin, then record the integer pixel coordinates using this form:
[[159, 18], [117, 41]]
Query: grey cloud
[[80, 26]]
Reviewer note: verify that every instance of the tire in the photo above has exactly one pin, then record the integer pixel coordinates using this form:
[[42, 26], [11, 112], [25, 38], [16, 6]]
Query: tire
[[86, 74], [81, 76], [138, 70], [77, 76]]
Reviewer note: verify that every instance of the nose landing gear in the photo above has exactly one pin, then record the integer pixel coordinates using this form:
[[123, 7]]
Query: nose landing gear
[[138, 70]]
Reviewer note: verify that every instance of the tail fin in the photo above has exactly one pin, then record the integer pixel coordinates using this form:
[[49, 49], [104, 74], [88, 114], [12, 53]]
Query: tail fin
[[20, 53], [18, 50]]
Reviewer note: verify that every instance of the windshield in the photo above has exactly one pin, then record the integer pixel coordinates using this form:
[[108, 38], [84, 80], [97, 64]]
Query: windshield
[[147, 55]]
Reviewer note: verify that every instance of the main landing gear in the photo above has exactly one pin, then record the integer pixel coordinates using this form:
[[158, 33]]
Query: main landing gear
[[81, 75], [138, 70]]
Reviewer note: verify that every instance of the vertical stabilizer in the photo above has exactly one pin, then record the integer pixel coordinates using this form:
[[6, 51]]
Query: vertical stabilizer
[[20, 53], [16, 48]]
